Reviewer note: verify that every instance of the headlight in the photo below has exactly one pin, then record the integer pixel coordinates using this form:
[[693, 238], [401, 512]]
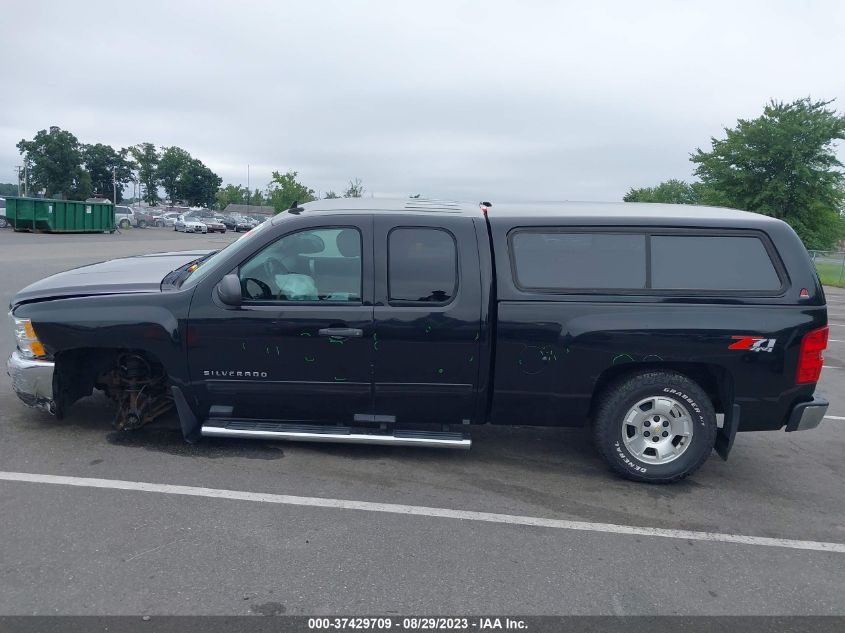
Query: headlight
[[28, 342]]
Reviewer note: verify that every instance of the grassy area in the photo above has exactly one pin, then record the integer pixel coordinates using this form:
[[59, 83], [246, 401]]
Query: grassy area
[[831, 274]]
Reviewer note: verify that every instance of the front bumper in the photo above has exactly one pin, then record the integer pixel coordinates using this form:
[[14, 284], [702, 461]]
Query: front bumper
[[32, 380], [807, 415]]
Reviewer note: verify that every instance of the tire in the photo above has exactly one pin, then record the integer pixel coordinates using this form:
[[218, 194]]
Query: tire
[[142, 224], [3, 222], [124, 224], [636, 403]]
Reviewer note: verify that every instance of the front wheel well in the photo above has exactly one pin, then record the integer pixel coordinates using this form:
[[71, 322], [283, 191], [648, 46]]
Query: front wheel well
[[715, 380], [123, 374]]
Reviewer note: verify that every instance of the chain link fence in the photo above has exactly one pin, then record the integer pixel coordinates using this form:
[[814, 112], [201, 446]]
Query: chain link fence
[[831, 266]]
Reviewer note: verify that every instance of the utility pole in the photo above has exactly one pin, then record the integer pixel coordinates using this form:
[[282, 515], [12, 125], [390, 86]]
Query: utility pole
[[18, 169], [114, 184], [248, 190]]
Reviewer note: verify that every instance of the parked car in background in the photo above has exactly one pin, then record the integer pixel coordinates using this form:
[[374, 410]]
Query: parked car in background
[[143, 219], [3, 222], [157, 216], [124, 217], [258, 219], [239, 223], [189, 225], [170, 218], [213, 225]]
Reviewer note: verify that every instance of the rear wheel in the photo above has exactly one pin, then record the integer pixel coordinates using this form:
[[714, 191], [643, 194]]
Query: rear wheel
[[3, 222], [142, 224], [124, 224], [656, 426]]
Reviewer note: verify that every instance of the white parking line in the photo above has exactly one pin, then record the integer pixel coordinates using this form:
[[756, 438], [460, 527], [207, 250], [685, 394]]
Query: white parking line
[[834, 417], [830, 367], [441, 513]]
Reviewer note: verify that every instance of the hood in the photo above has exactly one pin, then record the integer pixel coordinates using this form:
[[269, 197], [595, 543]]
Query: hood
[[142, 273]]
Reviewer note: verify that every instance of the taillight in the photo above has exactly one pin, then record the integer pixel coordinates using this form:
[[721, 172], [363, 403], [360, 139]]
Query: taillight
[[810, 358]]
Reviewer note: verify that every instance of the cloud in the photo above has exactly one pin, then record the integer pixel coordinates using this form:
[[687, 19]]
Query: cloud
[[536, 100]]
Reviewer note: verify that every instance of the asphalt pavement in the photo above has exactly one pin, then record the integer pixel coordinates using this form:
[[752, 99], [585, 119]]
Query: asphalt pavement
[[312, 549]]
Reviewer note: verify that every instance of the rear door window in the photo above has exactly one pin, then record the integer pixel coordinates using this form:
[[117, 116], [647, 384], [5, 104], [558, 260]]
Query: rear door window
[[422, 265], [579, 260], [711, 262]]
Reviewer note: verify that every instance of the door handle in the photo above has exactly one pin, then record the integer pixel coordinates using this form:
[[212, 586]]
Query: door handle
[[344, 332]]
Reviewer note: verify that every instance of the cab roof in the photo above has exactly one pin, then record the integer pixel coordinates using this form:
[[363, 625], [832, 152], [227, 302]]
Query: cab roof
[[516, 213]]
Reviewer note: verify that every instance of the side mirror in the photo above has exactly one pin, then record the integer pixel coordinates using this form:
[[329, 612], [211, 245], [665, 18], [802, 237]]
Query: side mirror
[[229, 290]]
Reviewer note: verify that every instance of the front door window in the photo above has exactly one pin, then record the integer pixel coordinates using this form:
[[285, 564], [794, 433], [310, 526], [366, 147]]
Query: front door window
[[316, 265]]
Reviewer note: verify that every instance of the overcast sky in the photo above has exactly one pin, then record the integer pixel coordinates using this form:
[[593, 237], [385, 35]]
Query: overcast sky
[[469, 100]]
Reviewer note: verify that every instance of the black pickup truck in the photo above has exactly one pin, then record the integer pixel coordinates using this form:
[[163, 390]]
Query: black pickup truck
[[662, 330]]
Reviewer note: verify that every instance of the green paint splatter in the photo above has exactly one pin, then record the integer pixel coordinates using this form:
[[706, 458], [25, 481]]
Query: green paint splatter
[[304, 334], [471, 358], [339, 379], [440, 371], [243, 346], [477, 336], [622, 358], [375, 341], [653, 357], [308, 359], [336, 340], [427, 329]]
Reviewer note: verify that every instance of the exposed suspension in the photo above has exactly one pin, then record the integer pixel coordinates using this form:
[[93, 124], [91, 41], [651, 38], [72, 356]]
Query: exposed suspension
[[140, 388]]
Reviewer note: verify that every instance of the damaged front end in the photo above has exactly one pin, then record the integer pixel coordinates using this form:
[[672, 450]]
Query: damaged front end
[[32, 380], [137, 383]]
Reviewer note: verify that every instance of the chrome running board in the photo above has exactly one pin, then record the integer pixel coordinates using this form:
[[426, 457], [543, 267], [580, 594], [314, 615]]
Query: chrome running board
[[261, 430]]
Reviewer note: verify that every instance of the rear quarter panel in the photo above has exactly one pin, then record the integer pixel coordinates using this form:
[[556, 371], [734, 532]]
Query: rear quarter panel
[[550, 356]]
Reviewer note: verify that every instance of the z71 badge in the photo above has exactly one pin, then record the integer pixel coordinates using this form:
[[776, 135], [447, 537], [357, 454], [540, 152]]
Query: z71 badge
[[753, 343]]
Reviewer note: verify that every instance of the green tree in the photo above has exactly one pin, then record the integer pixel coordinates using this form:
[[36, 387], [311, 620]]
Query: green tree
[[230, 194], [355, 189], [82, 188], [782, 164], [8, 189], [54, 161], [198, 184], [104, 164], [172, 165], [330, 195], [284, 189], [146, 157], [671, 192], [257, 199]]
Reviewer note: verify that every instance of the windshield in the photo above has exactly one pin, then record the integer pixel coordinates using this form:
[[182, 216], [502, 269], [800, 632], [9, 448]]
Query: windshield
[[204, 266]]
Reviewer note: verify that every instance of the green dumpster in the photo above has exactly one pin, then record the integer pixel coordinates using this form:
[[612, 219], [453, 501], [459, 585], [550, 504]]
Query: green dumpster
[[59, 216]]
